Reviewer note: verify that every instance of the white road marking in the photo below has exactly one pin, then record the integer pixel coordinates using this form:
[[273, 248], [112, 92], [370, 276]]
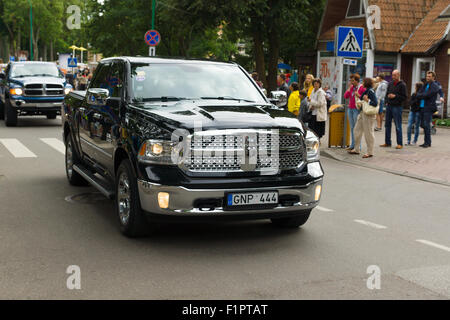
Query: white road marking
[[371, 224], [432, 244], [55, 144], [17, 149], [324, 209]]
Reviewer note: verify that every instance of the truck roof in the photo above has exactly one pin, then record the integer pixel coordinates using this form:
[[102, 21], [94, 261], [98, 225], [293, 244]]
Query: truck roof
[[32, 62], [143, 59]]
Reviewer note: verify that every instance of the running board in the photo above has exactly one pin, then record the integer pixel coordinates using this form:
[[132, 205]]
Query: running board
[[96, 182]]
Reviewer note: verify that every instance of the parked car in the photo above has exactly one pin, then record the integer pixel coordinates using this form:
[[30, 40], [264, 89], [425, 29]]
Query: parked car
[[188, 140], [31, 88]]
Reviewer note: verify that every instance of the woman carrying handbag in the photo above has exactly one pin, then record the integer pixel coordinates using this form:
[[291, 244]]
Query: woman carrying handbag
[[365, 123]]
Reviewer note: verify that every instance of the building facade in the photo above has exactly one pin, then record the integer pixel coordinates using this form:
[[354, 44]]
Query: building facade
[[409, 35]]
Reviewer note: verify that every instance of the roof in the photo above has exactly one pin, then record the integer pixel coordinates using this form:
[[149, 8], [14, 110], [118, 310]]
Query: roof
[[430, 32], [143, 59], [358, 22], [32, 62], [399, 19]]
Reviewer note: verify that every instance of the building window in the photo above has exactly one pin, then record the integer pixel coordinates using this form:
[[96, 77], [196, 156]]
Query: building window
[[355, 9]]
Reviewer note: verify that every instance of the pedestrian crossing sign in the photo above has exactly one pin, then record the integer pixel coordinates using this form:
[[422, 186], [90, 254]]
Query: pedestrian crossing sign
[[349, 42], [72, 62]]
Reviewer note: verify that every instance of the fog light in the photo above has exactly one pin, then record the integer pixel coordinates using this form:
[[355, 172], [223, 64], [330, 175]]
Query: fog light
[[318, 192], [163, 200]]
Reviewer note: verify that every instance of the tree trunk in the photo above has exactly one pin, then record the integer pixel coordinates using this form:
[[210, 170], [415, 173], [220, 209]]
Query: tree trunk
[[19, 34], [45, 52], [274, 53], [35, 45], [259, 55], [51, 50]]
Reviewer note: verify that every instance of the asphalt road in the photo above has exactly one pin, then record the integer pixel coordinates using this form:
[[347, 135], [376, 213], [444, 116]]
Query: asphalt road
[[365, 218]]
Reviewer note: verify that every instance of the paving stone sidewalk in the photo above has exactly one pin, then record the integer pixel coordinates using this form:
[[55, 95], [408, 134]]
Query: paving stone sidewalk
[[428, 164]]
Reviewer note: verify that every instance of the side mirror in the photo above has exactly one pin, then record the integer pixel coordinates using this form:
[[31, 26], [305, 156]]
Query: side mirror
[[279, 98], [97, 96]]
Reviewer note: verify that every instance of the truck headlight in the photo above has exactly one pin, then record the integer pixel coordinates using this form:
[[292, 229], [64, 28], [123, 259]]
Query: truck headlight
[[312, 146], [159, 152], [16, 91]]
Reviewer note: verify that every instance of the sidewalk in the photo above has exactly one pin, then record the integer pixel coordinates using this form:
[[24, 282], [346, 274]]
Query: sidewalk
[[430, 164]]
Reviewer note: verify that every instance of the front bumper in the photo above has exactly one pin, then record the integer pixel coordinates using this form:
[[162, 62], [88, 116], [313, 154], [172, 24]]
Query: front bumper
[[36, 105], [184, 202]]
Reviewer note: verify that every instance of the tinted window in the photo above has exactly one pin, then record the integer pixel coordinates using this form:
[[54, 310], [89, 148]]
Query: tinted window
[[115, 79], [101, 78], [34, 69]]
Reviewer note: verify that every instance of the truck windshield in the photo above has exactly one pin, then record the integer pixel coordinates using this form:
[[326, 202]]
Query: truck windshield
[[34, 69], [192, 81]]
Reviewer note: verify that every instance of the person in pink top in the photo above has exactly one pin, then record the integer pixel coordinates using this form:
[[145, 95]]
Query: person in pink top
[[354, 90]]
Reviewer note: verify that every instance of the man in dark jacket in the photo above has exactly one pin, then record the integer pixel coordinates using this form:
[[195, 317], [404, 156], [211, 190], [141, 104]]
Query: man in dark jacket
[[427, 97], [282, 86], [395, 98]]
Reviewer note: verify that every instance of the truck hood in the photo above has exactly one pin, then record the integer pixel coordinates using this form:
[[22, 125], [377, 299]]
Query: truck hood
[[217, 114], [41, 80]]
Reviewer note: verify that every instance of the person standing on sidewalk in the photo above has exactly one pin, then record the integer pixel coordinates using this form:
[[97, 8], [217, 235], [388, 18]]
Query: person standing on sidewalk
[[282, 86], [414, 116], [308, 84], [427, 97], [318, 106], [381, 94], [354, 90], [395, 98], [294, 99], [366, 123]]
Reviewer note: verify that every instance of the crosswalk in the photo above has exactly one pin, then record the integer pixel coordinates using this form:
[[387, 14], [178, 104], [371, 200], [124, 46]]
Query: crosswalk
[[29, 149]]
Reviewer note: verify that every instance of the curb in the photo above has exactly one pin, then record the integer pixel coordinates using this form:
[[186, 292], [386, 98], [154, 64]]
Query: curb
[[331, 155]]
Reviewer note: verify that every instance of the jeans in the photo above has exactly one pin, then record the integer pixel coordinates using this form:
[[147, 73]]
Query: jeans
[[393, 113], [352, 117], [425, 123], [380, 111], [413, 119]]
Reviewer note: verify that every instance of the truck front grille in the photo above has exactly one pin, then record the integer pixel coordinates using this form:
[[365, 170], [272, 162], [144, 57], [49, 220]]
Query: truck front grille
[[37, 90], [245, 150]]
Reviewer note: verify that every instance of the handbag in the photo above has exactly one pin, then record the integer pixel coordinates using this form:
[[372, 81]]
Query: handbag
[[368, 109]]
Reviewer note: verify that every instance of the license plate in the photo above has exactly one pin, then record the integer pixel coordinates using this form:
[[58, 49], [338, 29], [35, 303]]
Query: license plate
[[253, 198]]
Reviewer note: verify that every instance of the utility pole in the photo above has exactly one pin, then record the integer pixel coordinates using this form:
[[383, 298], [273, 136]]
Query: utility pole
[[153, 13], [31, 30]]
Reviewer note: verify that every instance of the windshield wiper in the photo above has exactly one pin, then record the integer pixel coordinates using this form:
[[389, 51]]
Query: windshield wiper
[[226, 98], [163, 99], [43, 75]]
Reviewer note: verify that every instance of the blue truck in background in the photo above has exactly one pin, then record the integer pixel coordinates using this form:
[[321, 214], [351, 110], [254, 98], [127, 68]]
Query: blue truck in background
[[31, 88]]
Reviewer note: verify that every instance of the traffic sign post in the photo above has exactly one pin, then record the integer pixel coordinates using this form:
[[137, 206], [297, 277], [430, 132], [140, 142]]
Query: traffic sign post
[[348, 44], [152, 39]]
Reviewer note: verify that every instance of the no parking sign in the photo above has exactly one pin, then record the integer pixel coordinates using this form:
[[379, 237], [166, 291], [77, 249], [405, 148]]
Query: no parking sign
[[152, 38]]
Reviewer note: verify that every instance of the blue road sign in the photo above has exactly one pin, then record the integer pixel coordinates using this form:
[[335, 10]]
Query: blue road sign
[[152, 38], [72, 62], [12, 58], [350, 42]]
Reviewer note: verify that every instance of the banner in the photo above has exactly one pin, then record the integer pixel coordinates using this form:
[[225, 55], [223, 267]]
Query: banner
[[331, 73]]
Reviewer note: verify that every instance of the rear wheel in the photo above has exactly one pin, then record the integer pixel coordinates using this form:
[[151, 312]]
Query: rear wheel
[[51, 115], [10, 115], [292, 222], [128, 208], [74, 177], [2, 110]]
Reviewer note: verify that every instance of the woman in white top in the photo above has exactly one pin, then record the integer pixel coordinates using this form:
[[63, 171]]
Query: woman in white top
[[318, 106]]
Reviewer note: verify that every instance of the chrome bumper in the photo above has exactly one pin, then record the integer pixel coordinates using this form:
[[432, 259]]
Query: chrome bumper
[[18, 103], [182, 199]]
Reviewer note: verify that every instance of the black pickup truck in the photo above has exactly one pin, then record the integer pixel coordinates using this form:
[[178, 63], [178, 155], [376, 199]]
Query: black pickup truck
[[184, 140], [31, 88]]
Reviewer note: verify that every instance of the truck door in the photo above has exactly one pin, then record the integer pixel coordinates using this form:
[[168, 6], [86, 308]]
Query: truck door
[[107, 117], [89, 115]]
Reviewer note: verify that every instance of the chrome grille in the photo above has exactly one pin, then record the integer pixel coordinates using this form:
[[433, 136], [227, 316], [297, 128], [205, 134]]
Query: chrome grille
[[43, 89], [236, 150]]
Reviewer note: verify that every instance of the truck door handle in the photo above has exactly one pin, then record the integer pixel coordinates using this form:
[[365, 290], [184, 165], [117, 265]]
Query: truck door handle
[[97, 116]]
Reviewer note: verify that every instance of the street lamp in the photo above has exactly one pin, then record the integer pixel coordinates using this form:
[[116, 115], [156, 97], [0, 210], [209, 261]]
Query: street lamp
[[82, 49], [31, 30]]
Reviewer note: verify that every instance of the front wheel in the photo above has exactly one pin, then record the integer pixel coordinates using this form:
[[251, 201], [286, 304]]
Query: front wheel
[[128, 208], [10, 115], [292, 222]]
